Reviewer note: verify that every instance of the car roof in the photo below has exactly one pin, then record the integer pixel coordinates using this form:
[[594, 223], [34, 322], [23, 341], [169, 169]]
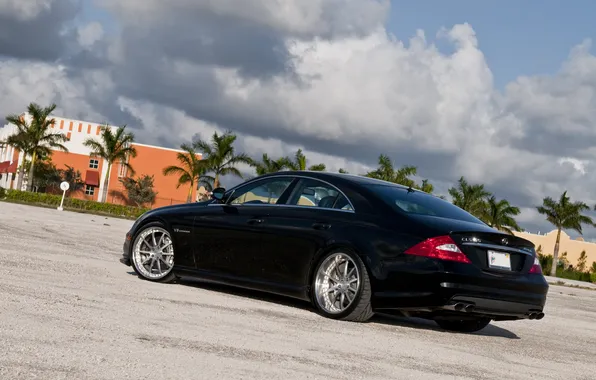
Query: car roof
[[330, 176]]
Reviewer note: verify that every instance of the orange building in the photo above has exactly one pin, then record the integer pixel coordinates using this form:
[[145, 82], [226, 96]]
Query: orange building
[[150, 160]]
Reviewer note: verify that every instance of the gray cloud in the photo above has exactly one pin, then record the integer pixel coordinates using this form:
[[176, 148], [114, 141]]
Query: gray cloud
[[36, 29], [305, 76], [302, 19]]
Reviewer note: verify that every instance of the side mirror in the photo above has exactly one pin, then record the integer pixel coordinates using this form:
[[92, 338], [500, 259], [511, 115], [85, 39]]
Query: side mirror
[[218, 193]]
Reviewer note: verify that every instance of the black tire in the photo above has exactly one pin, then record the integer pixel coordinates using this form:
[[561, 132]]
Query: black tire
[[170, 277], [463, 326], [360, 310]]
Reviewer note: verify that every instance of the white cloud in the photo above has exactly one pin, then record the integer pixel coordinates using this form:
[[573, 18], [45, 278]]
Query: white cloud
[[24, 10], [374, 90], [89, 34], [578, 165], [348, 92]]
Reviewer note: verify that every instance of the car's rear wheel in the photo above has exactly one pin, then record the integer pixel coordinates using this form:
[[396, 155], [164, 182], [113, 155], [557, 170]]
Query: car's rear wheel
[[341, 287], [465, 326], [153, 253]]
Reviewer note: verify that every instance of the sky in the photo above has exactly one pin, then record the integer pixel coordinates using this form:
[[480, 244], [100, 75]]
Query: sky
[[538, 33], [501, 92]]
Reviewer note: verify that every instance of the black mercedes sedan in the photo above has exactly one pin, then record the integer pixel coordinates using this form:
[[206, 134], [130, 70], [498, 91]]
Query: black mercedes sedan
[[349, 244]]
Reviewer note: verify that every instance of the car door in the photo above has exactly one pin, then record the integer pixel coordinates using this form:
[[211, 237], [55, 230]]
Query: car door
[[228, 236], [315, 213]]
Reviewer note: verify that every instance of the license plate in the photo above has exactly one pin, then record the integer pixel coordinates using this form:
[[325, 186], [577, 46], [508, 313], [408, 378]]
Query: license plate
[[499, 260]]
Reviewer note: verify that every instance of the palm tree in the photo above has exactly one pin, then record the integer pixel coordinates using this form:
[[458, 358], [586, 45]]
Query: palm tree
[[426, 186], [19, 142], [73, 177], [113, 146], [139, 190], [47, 176], [563, 214], [191, 170], [269, 165], [299, 163], [343, 171], [387, 172], [221, 157], [472, 198], [36, 138], [499, 215]]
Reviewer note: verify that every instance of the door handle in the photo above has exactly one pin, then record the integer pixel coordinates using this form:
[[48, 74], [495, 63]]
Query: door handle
[[255, 221], [321, 226]]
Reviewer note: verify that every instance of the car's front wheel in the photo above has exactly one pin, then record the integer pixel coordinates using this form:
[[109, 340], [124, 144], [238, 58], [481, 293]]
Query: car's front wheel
[[153, 253], [464, 326], [341, 287]]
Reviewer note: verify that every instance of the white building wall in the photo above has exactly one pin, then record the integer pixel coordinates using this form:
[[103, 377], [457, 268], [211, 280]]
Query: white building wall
[[6, 153]]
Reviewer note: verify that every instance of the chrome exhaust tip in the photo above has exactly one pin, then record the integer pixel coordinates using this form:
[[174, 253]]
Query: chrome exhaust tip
[[539, 315], [469, 308], [458, 306], [532, 316]]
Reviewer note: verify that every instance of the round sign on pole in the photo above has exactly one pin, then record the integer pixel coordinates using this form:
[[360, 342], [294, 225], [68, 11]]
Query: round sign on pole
[[63, 186]]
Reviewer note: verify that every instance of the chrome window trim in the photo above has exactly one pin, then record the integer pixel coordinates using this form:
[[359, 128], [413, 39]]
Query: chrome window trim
[[353, 210], [284, 205]]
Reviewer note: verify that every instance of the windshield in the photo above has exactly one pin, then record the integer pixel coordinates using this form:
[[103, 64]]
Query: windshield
[[420, 203]]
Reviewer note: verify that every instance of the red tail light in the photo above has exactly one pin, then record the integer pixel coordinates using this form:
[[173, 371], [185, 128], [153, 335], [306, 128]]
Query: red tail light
[[441, 247], [536, 267]]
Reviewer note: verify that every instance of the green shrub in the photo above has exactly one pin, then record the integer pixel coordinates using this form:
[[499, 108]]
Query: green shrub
[[572, 274], [2, 193], [546, 262], [593, 277], [74, 204]]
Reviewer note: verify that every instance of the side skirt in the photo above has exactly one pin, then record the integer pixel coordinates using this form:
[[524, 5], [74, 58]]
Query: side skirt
[[300, 293]]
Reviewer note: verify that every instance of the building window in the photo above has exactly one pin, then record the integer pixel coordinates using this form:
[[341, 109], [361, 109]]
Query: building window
[[89, 190], [122, 169], [93, 163]]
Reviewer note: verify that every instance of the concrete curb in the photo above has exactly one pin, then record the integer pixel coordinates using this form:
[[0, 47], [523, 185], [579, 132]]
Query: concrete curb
[[566, 282]]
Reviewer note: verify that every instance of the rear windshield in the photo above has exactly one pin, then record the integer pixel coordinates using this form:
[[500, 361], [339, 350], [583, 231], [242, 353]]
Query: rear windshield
[[420, 203]]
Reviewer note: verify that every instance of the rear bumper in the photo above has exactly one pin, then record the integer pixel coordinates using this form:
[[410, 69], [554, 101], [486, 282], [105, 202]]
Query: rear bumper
[[499, 297]]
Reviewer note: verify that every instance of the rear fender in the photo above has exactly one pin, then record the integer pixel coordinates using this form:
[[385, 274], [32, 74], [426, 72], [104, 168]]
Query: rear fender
[[366, 259]]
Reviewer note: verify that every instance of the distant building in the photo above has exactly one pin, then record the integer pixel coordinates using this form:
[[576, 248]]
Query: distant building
[[573, 247], [149, 160]]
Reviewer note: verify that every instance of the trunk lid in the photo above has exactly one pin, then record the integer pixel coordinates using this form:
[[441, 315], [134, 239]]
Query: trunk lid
[[488, 249], [496, 252]]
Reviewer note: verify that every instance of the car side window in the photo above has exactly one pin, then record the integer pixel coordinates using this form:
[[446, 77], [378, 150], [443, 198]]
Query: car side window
[[314, 193], [262, 192]]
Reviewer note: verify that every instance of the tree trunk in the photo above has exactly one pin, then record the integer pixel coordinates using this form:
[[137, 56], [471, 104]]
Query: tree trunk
[[189, 197], [106, 183], [21, 175], [216, 181], [30, 179], [553, 270]]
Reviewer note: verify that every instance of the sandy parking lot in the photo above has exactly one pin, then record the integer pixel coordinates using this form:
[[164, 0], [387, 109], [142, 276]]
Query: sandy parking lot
[[70, 310]]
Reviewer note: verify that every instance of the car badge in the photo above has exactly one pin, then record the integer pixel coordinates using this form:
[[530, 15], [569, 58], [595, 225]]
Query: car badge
[[504, 241]]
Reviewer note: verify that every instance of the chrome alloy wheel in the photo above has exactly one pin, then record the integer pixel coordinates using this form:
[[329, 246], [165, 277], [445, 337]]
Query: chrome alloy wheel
[[153, 253], [337, 283]]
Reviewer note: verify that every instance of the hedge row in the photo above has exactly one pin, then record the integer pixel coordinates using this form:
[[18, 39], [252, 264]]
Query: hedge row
[[546, 262], [71, 203]]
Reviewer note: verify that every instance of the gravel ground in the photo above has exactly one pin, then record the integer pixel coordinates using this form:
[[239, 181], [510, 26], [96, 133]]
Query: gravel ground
[[70, 310]]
